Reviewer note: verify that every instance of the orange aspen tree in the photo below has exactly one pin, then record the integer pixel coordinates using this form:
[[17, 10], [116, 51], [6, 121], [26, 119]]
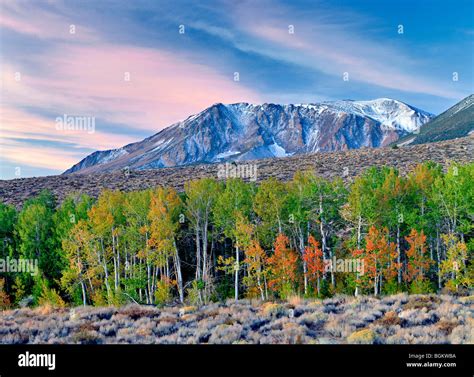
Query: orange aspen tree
[[379, 259], [418, 260], [4, 298], [313, 256], [283, 266]]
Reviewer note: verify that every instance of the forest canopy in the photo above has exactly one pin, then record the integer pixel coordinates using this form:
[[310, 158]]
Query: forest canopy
[[234, 239]]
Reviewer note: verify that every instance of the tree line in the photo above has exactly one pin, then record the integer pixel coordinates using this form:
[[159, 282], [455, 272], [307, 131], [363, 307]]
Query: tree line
[[234, 239]]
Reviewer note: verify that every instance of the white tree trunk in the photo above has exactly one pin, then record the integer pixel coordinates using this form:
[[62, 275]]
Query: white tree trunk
[[236, 283], [179, 276], [84, 302], [399, 257]]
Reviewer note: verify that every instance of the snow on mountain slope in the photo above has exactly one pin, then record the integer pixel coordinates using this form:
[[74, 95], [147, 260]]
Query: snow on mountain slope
[[245, 131], [393, 114]]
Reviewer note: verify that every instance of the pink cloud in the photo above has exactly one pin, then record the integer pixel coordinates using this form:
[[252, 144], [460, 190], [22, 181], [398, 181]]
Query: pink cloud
[[42, 157], [86, 80], [19, 128], [34, 21], [163, 88], [18, 124]]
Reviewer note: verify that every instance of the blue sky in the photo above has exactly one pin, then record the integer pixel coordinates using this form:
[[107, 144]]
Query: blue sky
[[49, 71]]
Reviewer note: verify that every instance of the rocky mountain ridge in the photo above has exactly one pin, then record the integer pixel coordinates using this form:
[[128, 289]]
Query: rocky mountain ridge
[[242, 131]]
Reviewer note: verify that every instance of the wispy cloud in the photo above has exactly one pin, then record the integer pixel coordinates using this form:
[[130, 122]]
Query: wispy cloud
[[146, 88], [38, 20], [328, 41]]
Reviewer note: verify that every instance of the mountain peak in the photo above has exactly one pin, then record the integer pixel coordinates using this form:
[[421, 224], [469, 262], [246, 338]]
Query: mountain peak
[[243, 131]]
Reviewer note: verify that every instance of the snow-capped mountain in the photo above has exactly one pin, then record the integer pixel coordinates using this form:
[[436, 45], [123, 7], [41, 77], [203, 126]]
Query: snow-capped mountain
[[245, 131]]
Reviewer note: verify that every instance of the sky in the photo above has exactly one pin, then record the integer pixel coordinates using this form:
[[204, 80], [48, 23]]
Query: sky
[[127, 69]]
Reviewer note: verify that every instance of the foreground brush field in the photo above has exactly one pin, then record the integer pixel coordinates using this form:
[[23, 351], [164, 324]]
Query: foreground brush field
[[397, 319]]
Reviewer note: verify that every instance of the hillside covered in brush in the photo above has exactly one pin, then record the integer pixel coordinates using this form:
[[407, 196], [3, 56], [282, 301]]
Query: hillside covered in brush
[[343, 164], [398, 319]]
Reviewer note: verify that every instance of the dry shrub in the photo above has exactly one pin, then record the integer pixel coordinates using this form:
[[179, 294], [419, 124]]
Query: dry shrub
[[314, 304], [421, 317], [92, 313], [470, 321], [168, 319], [88, 326], [449, 309], [86, 337], [446, 326], [271, 309], [210, 313], [420, 302], [366, 336], [256, 324], [137, 311], [416, 335], [256, 302], [369, 317], [129, 335], [292, 333], [188, 318], [14, 338], [241, 341], [338, 327], [462, 335], [335, 301], [45, 309], [467, 300], [165, 328], [225, 334], [273, 326], [313, 321], [108, 329], [389, 319], [230, 321], [294, 300], [144, 331], [188, 309]]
